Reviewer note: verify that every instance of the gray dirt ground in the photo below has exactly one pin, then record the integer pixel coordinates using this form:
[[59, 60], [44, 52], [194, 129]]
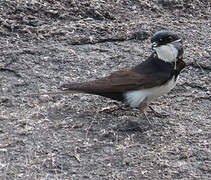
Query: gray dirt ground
[[46, 43]]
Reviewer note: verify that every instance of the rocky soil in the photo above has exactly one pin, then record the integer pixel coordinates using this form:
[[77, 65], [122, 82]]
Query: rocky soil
[[44, 43]]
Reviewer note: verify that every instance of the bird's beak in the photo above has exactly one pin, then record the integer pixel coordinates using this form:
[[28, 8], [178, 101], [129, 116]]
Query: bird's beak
[[177, 44], [154, 44]]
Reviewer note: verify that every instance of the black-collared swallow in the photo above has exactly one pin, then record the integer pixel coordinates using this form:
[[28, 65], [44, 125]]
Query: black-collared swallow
[[138, 85]]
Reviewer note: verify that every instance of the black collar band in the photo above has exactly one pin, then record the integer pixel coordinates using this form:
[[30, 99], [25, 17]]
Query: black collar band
[[164, 63]]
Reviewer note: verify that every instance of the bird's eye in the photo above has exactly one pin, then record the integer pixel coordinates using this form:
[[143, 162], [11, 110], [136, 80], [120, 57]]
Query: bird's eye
[[170, 38]]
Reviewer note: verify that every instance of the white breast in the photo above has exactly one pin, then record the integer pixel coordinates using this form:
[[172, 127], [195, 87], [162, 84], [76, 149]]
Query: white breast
[[167, 52], [134, 98]]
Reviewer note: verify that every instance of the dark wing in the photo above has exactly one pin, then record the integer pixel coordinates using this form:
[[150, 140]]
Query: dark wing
[[148, 74], [115, 85], [126, 80]]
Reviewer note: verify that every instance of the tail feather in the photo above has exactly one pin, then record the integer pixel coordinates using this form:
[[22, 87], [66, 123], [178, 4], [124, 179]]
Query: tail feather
[[76, 87], [92, 87]]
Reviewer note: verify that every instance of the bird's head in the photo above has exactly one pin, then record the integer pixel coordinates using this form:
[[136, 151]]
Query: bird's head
[[167, 45]]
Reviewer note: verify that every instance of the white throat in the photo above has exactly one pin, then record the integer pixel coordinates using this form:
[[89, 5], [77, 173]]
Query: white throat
[[167, 52]]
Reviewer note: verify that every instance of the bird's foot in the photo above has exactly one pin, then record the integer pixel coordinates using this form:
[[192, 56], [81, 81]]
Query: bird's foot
[[110, 109], [148, 120], [158, 114]]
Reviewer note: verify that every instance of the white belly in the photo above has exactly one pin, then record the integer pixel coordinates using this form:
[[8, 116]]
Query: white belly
[[134, 98]]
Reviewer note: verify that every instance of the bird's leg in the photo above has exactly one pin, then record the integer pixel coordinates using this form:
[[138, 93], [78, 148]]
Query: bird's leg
[[150, 123], [142, 108]]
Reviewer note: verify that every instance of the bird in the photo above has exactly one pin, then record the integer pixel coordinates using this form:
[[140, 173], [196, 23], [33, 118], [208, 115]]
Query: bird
[[137, 86]]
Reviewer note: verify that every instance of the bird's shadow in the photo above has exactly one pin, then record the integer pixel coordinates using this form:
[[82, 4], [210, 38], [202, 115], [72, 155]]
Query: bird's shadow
[[133, 121]]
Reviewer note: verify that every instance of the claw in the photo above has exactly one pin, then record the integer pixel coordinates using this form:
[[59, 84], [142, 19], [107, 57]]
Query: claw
[[157, 114], [149, 122]]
